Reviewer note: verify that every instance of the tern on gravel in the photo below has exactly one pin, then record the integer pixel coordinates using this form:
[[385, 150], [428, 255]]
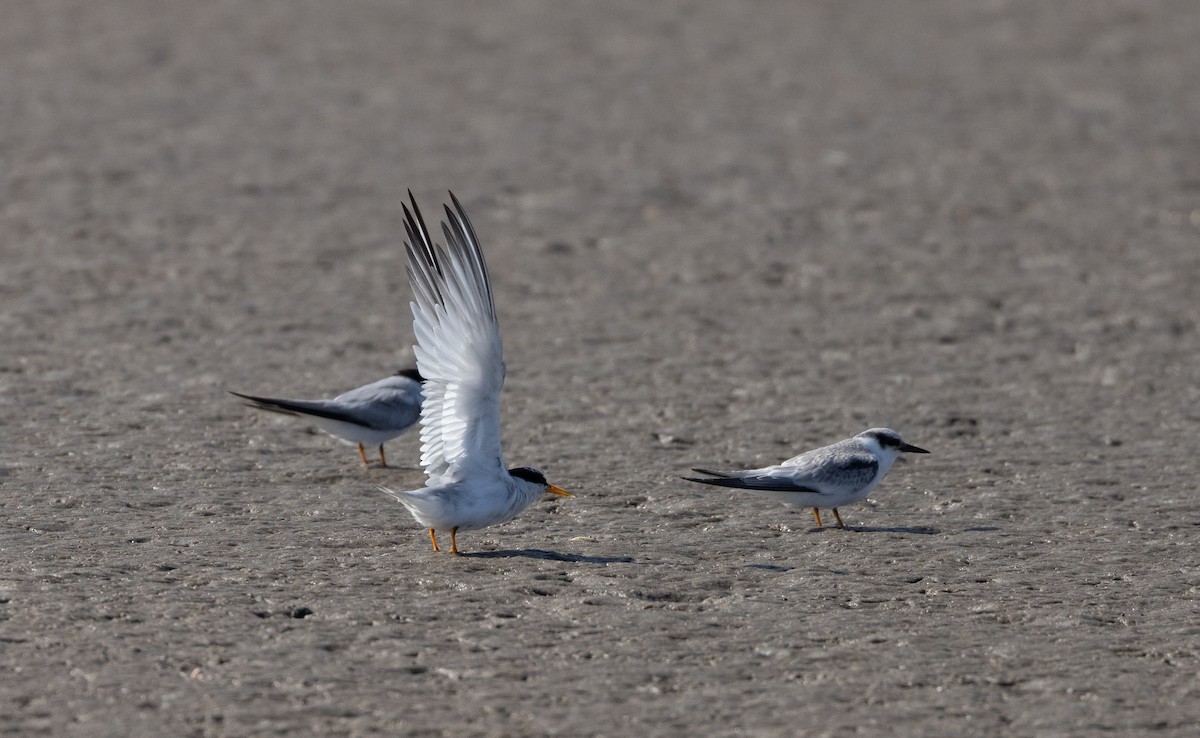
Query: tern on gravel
[[830, 476], [372, 414]]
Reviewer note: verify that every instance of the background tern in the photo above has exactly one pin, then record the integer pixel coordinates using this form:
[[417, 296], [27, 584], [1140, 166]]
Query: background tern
[[459, 352], [372, 414], [831, 476]]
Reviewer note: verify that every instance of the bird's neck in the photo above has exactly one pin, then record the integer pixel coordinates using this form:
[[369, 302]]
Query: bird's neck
[[885, 463], [526, 493]]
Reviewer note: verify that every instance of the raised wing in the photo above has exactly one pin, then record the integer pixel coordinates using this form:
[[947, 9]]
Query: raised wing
[[458, 349]]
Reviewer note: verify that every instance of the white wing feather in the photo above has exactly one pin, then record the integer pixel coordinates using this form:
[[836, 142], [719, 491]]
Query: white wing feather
[[458, 350]]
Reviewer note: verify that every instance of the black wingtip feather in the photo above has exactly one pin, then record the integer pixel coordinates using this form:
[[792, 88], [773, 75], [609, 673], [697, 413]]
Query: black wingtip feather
[[711, 472], [468, 230], [252, 398], [430, 258], [293, 407], [720, 481]]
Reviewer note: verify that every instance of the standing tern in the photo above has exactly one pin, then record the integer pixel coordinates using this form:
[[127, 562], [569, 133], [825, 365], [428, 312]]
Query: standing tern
[[831, 476], [460, 355], [372, 414]]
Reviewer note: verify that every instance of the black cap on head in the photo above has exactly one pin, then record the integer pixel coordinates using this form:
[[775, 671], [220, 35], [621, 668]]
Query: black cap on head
[[412, 374], [529, 475], [887, 438]]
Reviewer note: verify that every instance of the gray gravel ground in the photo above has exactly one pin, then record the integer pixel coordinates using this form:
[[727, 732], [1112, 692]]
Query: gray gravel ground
[[719, 234]]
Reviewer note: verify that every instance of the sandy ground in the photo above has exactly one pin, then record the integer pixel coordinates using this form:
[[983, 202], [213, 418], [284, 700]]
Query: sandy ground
[[719, 235]]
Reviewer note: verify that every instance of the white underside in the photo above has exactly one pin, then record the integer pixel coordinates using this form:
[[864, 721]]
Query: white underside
[[354, 434], [469, 505], [811, 499]]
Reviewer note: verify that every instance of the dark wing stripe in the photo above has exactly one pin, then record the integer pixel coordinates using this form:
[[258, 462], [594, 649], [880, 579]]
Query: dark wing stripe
[[856, 464], [418, 234], [299, 407], [460, 240], [711, 472], [756, 483], [463, 224], [421, 253], [431, 259]]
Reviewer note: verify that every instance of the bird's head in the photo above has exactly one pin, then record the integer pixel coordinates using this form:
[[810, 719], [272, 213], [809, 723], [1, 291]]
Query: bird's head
[[537, 479], [412, 374], [887, 442]]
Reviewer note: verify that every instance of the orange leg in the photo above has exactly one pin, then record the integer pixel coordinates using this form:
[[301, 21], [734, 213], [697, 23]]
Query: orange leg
[[433, 538], [363, 454], [817, 515], [382, 458], [453, 542], [839, 518]]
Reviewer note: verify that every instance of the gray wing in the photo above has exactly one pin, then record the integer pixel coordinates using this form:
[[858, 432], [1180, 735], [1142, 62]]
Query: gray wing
[[750, 480], [391, 403], [833, 467], [319, 408], [815, 472]]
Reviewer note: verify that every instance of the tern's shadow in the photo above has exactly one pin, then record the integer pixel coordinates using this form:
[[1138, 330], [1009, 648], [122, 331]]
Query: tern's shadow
[[537, 553], [918, 530]]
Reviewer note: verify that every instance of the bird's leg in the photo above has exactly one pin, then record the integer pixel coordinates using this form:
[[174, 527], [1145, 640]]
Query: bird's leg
[[362, 452], [382, 458], [433, 538], [453, 542], [817, 515], [839, 518]]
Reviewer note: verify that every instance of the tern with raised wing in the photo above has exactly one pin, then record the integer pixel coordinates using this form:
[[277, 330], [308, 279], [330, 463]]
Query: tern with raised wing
[[458, 351]]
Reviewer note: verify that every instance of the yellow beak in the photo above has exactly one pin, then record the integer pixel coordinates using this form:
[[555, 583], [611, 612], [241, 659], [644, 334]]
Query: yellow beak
[[558, 491]]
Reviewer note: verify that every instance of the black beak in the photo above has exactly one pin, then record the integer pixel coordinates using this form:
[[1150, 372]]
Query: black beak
[[913, 449]]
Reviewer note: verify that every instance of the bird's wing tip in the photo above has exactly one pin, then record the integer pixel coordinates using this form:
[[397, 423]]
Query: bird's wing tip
[[711, 472], [387, 491]]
